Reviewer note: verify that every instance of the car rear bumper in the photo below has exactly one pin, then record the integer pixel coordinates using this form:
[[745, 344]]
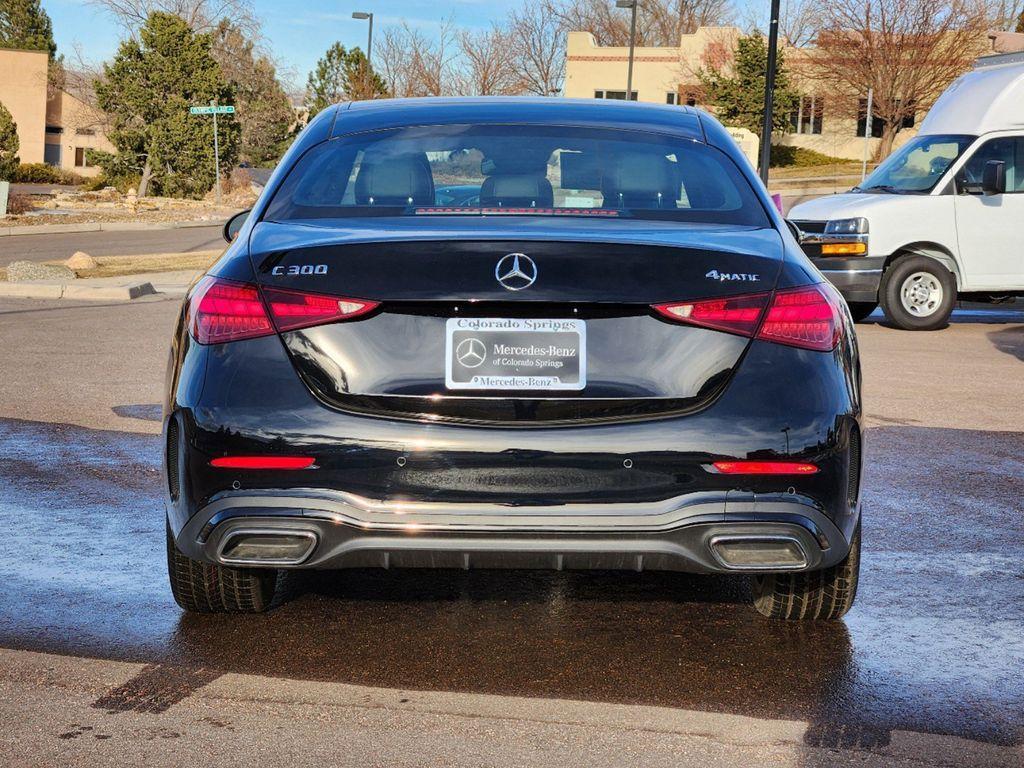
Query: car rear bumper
[[857, 277], [683, 534]]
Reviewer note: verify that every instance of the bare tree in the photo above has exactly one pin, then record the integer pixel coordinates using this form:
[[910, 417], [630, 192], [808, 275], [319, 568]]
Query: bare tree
[[489, 63], [906, 51], [201, 15], [799, 20], [659, 22], [413, 64], [538, 44], [1007, 15]]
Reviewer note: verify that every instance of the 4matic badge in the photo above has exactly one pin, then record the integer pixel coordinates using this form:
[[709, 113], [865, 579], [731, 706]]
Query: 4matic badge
[[732, 277]]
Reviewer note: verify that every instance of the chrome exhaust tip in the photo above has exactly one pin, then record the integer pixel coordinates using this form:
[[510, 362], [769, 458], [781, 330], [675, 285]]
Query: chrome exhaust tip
[[758, 552], [266, 547]]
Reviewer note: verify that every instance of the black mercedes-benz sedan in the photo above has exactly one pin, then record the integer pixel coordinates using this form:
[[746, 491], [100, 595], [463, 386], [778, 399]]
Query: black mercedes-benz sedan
[[612, 355]]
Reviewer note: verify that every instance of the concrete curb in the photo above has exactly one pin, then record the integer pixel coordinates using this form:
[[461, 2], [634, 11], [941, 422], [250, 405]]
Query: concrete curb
[[42, 290], [104, 226]]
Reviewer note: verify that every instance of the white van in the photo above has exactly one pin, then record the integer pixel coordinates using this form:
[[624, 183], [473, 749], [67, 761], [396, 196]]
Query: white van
[[942, 217]]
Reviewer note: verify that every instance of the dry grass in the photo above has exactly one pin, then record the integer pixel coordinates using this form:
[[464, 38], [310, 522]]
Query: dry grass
[[118, 266], [817, 171]]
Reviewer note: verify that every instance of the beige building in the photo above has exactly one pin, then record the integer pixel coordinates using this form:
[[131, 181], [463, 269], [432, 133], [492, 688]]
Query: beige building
[[54, 126], [667, 75]]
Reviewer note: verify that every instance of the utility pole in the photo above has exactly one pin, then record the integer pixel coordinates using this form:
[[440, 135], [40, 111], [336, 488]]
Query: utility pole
[[769, 92], [632, 44], [867, 135], [364, 16]]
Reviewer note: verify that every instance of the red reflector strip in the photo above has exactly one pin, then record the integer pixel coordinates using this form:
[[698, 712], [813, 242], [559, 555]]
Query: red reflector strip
[[263, 462], [764, 468]]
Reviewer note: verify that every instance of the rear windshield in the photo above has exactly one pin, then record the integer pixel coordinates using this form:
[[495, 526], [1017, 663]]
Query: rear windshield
[[472, 170]]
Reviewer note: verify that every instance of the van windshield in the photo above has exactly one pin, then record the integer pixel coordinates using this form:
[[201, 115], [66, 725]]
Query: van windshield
[[917, 166], [517, 170]]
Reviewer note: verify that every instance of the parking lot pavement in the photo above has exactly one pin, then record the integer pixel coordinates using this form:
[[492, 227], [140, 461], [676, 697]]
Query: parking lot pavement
[[52, 247], [97, 665]]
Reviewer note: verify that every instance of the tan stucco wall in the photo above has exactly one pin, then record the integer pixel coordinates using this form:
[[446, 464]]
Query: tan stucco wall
[[590, 68], [660, 70], [23, 76], [77, 119]]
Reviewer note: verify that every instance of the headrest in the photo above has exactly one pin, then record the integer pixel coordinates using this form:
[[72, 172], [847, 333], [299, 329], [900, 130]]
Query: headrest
[[641, 179], [395, 180], [516, 191]]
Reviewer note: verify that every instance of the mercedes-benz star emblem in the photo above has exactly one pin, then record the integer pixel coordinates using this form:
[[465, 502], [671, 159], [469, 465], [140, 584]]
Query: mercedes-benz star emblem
[[516, 271], [471, 353]]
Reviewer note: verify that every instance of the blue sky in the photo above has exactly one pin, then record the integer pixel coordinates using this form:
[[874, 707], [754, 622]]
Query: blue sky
[[298, 32]]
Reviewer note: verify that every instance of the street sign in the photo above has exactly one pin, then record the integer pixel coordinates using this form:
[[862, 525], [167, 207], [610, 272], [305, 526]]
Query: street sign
[[214, 109]]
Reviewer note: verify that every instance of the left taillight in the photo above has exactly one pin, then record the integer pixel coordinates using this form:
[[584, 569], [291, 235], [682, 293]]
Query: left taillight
[[223, 310], [809, 317], [226, 310]]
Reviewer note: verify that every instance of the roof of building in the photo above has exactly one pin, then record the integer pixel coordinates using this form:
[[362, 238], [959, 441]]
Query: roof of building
[[989, 98]]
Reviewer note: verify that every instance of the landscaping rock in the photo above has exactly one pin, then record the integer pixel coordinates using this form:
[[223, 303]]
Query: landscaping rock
[[80, 260], [22, 271]]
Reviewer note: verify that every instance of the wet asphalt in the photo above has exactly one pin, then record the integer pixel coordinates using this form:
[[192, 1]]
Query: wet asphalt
[[935, 643]]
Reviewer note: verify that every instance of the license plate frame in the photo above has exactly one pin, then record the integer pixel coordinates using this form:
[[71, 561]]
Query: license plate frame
[[515, 354]]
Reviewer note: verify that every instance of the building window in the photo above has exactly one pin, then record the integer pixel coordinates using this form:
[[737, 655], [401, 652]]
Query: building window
[[80, 158], [85, 132], [877, 123], [672, 98], [807, 117], [618, 95], [54, 130]]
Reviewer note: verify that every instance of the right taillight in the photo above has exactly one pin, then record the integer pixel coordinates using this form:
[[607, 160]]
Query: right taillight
[[807, 317]]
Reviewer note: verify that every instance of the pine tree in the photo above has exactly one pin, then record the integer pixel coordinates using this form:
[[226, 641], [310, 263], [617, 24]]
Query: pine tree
[[265, 112], [25, 25], [1020, 22], [147, 91], [342, 75], [738, 95], [9, 145]]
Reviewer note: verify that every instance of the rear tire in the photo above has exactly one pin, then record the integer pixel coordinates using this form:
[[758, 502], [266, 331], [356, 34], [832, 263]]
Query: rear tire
[[206, 588], [860, 310], [824, 595], [918, 293]]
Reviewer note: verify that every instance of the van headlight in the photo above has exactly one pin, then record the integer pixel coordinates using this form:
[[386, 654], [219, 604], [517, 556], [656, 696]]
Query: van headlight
[[857, 226]]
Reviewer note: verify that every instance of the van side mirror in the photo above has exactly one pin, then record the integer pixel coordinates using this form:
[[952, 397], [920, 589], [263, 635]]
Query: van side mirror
[[993, 179], [234, 225]]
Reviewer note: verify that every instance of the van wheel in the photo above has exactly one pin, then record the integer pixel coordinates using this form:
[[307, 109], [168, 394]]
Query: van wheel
[[918, 293], [826, 594], [207, 588], [861, 309]]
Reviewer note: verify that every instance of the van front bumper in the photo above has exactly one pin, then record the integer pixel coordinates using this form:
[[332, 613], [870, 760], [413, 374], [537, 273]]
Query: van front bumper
[[858, 278]]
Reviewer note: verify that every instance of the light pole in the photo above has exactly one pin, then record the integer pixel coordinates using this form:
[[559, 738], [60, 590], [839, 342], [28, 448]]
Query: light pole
[[769, 92], [361, 15], [632, 43]]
